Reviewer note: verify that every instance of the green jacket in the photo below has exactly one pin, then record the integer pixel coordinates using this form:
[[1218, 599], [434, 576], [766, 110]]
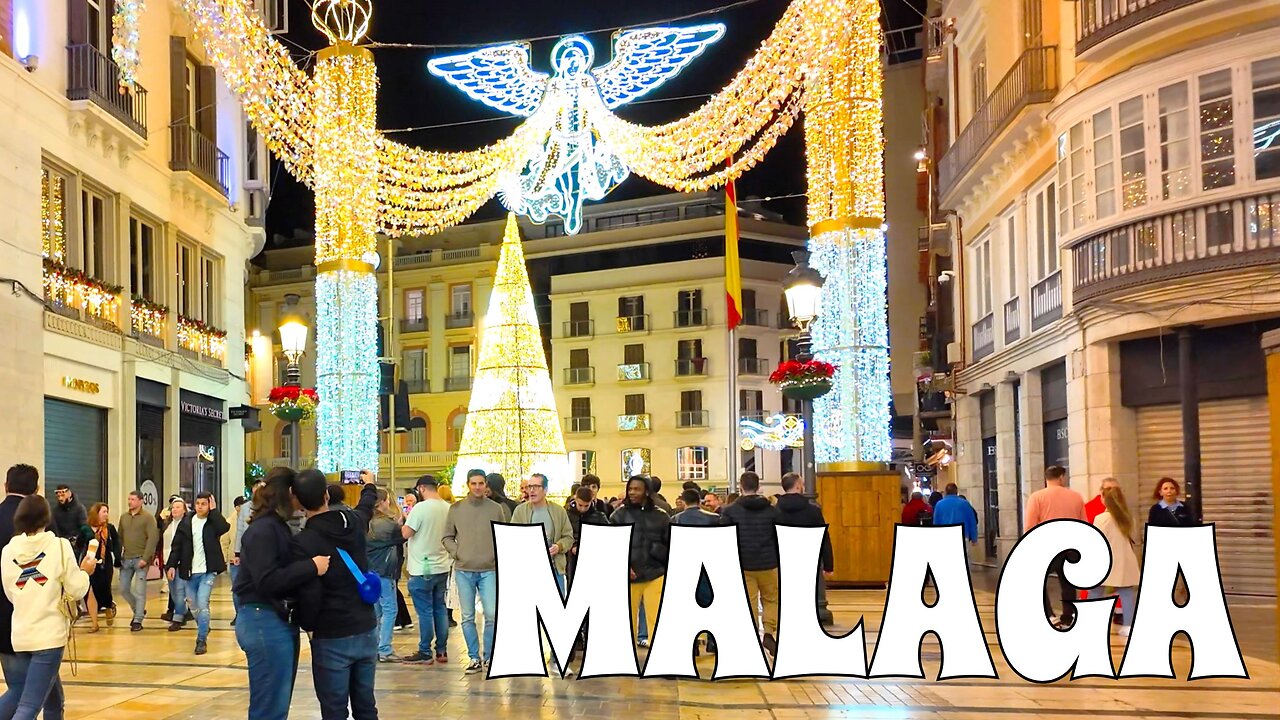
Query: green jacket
[[562, 529]]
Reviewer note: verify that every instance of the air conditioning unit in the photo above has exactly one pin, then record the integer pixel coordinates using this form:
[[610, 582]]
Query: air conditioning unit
[[955, 353], [275, 14]]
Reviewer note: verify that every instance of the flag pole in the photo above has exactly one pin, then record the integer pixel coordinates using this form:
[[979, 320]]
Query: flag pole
[[733, 410], [733, 318]]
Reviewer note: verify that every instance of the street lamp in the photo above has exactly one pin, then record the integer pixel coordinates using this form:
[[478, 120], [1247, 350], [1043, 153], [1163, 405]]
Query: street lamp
[[293, 340], [803, 290]]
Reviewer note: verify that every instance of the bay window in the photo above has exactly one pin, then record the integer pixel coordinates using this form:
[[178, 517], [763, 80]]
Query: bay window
[[1133, 154], [1104, 165], [1266, 118], [1217, 136], [1175, 141]]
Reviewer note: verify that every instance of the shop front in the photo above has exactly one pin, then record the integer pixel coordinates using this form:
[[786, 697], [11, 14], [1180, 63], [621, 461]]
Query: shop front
[[152, 405], [75, 440], [990, 478], [1053, 398], [200, 444]]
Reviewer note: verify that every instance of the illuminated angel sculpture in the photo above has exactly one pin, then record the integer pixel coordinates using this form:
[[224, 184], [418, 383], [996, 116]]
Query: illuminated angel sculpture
[[572, 165]]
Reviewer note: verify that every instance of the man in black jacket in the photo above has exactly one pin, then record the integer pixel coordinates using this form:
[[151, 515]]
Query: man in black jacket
[[796, 510], [197, 562], [758, 551], [650, 543], [69, 515], [582, 509], [344, 640]]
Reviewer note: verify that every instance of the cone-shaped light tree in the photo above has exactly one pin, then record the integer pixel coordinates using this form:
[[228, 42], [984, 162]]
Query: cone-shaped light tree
[[512, 425]]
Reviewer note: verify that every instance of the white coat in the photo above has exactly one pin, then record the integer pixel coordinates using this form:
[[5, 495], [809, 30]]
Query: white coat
[[37, 570], [1125, 570]]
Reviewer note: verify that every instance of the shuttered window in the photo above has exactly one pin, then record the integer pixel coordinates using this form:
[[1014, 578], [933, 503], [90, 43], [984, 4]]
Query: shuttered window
[[74, 449]]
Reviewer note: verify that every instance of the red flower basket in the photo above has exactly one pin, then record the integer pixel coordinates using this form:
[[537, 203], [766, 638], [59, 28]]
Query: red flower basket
[[803, 380], [293, 403]]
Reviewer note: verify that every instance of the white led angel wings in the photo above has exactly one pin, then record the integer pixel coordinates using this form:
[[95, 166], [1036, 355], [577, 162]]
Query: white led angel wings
[[572, 165]]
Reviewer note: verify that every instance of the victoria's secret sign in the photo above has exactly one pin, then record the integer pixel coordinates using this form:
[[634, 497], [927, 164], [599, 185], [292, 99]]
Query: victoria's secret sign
[[202, 411]]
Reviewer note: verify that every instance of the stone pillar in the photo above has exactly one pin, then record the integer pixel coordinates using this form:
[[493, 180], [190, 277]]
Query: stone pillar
[[1102, 431], [1271, 346], [968, 439], [1031, 416], [1006, 469]]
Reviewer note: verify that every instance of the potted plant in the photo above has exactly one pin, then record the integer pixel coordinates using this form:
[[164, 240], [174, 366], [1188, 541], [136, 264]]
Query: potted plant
[[803, 380], [293, 403]]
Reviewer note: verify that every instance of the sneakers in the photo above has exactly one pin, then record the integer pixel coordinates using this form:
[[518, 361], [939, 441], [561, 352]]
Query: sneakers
[[201, 647], [392, 658], [166, 616], [135, 626], [474, 667], [1123, 631], [770, 645], [643, 643], [418, 658], [442, 657], [176, 625]]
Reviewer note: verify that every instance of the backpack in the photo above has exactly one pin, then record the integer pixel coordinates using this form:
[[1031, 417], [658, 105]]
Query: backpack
[[367, 582]]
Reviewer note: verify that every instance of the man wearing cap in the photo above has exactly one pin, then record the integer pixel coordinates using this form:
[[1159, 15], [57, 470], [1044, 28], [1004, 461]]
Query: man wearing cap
[[429, 565]]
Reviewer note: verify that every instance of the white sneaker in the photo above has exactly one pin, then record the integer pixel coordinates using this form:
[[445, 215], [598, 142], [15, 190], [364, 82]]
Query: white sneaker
[[1123, 631]]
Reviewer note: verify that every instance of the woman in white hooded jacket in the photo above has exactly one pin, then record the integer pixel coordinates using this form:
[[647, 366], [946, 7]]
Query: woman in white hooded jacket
[[1116, 525], [38, 569]]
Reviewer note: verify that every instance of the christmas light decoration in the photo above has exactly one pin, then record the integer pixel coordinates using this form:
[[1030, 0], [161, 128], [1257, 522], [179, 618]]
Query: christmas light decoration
[[71, 288], [148, 318], [347, 370], [775, 432], [202, 339], [53, 236], [293, 404], [512, 425], [574, 165], [124, 40]]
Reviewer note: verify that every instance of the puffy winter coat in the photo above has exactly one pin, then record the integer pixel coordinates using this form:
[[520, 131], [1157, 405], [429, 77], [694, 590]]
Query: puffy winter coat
[[796, 510], [757, 539], [650, 538]]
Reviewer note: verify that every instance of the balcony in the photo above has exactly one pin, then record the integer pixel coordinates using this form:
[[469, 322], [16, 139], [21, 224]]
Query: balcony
[[93, 76], [691, 318], [1012, 321], [755, 416], [1229, 235], [935, 38], [693, 419], [1046, 301], [634, 372], [579, 329], [580, 376], [413, 325], [753, 366], [634, 423], [457, 384], [1098, 20], [417, 386], [984, 337], [191, 151], [756, 317], [149, 321], [580, 425], [423, 461], [633, 323], [456, 320], [691, 367], [1032, 79]]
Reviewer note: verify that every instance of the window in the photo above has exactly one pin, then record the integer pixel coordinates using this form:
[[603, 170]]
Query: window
[[1032, 24], [192, 93], [456, 428], [747, 348], [751, 402], [691, 401], [1044, 231], [982, 279], [99, 22], [1071, 177], [631, 307], [460, 300], [691, 463], [1133, 155], [689, 301], [460, 361], [417, 437], [580, 407], [1011, 252], [1104, 165], [748, 304], [209, 290], [579, 358], [1266, 118], [186, 280], [633, 354], [584, 461], [94, 235], [1217, 137], [633, 405], [636, 461], [579, 312], [142, 259], [978, 77], [53, 217], [690, 349], [286, 442], [1175, 141], [252, 155], [414, 363], [413, 308]]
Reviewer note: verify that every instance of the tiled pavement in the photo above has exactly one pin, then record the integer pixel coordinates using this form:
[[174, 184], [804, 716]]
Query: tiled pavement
[[153, 674]]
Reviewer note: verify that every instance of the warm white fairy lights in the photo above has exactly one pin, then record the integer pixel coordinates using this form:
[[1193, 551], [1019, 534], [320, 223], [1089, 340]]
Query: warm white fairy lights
[[512, 425], [124, 39], [347, 370]]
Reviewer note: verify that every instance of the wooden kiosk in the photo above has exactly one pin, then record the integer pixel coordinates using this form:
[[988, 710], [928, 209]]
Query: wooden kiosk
[[862, 503]]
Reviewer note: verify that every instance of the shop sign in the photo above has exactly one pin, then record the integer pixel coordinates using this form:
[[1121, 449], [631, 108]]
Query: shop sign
[[84, 386], [202, 411]]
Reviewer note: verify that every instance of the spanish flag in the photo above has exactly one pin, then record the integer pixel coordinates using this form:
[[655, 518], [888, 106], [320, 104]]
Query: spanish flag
[[732, 267]]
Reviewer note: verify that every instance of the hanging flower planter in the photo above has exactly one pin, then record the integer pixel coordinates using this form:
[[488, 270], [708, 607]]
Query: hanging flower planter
[[293, 404], [803, 380]]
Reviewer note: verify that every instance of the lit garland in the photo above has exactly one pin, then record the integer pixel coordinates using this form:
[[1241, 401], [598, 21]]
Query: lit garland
[[775, 432], [202, 339], [512, 425], [53, 237], [124, 40], [72, 288], [148, 318], [345, 175], [347, 370]]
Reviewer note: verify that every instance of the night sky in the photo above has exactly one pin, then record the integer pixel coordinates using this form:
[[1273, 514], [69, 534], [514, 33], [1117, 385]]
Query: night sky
[[409, 97]]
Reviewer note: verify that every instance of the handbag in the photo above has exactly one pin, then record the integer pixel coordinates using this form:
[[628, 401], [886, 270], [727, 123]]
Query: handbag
[[367, 582], [69, 606]]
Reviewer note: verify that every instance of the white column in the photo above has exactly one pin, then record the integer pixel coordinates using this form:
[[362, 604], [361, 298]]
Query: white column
[[1006, 469], [1103, 433], [1032, 417]]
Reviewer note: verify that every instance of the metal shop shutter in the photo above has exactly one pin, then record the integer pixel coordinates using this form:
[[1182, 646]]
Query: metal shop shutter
[[74, 449], [1236, 462]]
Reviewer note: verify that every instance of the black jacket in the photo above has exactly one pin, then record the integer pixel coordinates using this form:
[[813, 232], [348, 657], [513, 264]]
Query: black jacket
[[1180, 516], [330, 606], [383, 549], [7, 508], [757, 541], [799, 511], [268, 573], [182, 552], [650, 538], [593, 516], [68, 519]]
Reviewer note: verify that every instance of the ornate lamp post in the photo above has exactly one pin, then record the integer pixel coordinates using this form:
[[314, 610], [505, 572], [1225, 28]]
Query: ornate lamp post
[[803, 289], [293, 340]]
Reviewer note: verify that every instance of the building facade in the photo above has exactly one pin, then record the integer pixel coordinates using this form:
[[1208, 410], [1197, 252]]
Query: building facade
[[130, 210], [1109, 179]]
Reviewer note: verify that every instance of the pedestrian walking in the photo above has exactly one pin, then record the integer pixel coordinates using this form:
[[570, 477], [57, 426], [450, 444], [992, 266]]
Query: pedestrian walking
[[647, 557], [69, 515], [498, 491], [797, 510], [1055, 501], [756, 519], [1169, 511], [177, 612], [1116, 524], [196, 559], [139, 536], [429, 567], [385, 540], [468, 537], [106, 557], [954, 509]]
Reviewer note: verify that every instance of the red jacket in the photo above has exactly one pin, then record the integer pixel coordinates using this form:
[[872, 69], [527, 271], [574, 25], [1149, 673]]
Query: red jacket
[[911, 511], [1094, 508]]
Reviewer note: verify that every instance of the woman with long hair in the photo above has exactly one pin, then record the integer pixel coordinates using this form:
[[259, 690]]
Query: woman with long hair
[[1116, 524], [106, 558], [385, 540], [1169, 510], [39, 569], [268, 575], [177, 610]]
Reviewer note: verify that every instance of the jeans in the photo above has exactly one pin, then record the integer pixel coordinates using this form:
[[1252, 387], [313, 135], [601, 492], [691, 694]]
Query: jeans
[[343, 670], [32, 684], [385, 612], [200, 589], [642, 625], [1127, 598], [486, 583], [133, 586], [1067, 591], [178, 597], [234, 572], [271, 646], [427, 592]]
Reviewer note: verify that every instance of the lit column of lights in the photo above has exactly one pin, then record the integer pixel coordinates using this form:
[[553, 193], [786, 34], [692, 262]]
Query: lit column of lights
[[844, 151], [53, 237], [345, 179]]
